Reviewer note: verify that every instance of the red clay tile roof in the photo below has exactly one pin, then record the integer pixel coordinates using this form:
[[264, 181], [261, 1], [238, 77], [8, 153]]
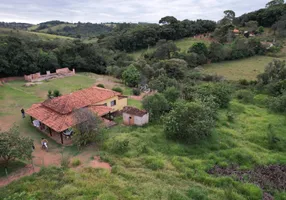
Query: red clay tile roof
[[79, 99], [59, 122], [134, 111], [60, 113]]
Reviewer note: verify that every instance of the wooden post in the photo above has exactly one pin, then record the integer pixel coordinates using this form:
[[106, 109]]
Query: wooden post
[[31, 119], [62, 137], [50, 131]]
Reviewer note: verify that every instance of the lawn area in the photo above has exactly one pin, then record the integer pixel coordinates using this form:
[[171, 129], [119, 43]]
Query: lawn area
[[247, 68], [145, 165], [183, 45]]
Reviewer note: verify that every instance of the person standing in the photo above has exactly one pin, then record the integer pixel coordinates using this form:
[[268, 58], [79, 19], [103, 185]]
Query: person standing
[[23, 112]]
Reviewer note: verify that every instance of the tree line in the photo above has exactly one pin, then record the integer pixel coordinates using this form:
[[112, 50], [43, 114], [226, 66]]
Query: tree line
[[136, 37], [26, 56]]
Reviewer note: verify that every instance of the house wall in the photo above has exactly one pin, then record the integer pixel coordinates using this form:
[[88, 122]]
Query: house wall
[[139, 121], [119, 103]]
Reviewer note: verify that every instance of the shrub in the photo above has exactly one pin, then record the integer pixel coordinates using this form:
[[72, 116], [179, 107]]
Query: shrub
[[154, 163], [156, 105], [136, 92], [131, 76], [245, 96], [171, 94], [120, 147], [220, 91], [278, 104], [189, 122], [100, 85], [76, 162], [260, 100], [57, 93], [117, 89], [230, 116]]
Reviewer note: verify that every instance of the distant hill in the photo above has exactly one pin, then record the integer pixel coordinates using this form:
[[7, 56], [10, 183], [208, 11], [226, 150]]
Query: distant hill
[[15, 25], [28, 34], [76, 30]]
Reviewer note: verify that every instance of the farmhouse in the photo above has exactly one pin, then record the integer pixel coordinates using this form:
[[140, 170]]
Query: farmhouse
[[55, 116], [134, 116]]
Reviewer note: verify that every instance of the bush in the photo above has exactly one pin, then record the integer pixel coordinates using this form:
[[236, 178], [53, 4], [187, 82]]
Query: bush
[[260, 100], [136, 92], [156, 105], [278, 104], [189, 122], [131, 76], [154, 163], [117, 89], [76, 162], [171, 94], [100, 85], [244, 96], [230, 116], [120, 147], [220, 91]]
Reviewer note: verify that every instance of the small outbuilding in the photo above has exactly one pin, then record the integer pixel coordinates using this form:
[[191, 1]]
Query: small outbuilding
[[134, 116]]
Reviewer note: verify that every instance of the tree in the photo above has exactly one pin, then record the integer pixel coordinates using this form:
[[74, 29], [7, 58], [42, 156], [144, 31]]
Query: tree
[[171, 94], [131, 76], [229, 14], [13, 146], [165, 49], [274, 71], [199, 48], [88, 127], [156, 105], [251, 25], [189, 122], [274, 3], [168, 20], [260, 29]]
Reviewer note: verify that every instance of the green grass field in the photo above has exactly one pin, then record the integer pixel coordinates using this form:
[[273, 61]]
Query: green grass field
[[152, 167], [44, 36], [247, 68], [183, 44], [149, 166]]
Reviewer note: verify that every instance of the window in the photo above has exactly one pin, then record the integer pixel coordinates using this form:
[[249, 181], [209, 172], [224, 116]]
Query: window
[[113, 103], [105, 104]]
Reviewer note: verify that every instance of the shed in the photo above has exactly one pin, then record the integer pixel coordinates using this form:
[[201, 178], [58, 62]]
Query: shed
[[135, 116]]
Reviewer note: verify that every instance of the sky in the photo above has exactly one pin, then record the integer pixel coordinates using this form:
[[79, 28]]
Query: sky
[[96, 11]]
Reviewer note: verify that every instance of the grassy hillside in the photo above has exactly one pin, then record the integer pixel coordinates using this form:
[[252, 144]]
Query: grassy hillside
[[247, 68], [151, 167], [44, 36], [57, 27], [183, 44]]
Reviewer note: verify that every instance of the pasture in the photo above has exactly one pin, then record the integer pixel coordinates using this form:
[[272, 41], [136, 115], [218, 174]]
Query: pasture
[[20, 33], [183, 45], [247, 68], [145, 164]]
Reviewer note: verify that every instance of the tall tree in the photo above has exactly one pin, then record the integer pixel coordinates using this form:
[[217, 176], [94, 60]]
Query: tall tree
[[13, 146], [274, 3]]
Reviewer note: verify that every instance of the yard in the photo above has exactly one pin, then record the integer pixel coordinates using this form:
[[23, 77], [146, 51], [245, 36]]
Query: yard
[[14, 96], [247, 68]]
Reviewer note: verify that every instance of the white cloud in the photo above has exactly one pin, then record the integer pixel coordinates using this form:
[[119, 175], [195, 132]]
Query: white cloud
[[37, 11]]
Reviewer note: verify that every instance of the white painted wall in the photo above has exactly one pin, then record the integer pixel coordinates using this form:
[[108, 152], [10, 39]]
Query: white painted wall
[[139, 121]]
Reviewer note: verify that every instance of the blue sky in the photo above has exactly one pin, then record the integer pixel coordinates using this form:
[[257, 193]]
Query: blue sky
[[97, 11]]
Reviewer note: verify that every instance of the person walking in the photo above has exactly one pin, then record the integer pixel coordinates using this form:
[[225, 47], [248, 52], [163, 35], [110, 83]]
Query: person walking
[[23, 112]]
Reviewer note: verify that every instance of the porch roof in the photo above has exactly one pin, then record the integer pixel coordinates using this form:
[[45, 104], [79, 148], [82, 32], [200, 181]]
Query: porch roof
[[60, 122]]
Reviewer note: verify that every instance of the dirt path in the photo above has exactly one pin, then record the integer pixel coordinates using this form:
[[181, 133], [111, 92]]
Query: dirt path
[[26, 171]]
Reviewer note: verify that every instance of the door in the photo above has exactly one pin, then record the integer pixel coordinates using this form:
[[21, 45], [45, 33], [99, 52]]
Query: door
[[131, 120]]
